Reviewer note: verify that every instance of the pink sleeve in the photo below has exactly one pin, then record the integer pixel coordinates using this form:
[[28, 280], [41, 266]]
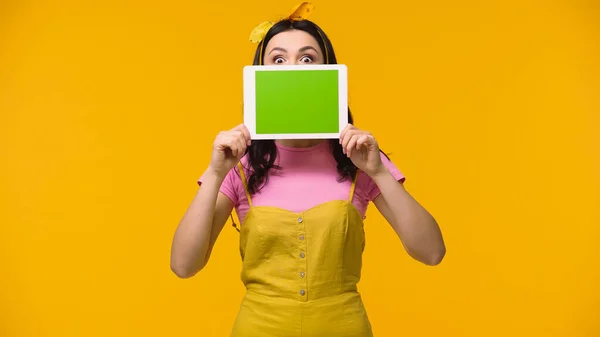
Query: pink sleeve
[[231, 186], [371, 189]]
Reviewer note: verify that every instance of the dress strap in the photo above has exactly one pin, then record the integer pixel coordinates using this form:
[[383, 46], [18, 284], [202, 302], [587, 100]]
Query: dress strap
[[353, 186], [243, 177], [245, 183]]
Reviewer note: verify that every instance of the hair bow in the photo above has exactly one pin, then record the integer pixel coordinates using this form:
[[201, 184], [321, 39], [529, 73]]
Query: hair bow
[[298, 13]]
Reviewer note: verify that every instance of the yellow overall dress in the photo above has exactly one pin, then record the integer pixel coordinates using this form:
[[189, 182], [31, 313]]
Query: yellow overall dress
[[301, 271]]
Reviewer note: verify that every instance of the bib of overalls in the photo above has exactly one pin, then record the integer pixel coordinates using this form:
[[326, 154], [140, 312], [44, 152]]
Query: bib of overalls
[[301, 271]]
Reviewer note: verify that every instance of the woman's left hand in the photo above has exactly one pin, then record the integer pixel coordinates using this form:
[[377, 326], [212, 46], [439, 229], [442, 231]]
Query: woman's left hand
[[362, 148]]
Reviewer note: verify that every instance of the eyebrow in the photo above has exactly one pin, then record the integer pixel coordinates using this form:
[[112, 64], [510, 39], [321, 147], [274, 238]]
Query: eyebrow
[[305, 48]]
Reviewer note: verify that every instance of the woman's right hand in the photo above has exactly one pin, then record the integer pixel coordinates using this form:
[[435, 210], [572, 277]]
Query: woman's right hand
[[228, 148]]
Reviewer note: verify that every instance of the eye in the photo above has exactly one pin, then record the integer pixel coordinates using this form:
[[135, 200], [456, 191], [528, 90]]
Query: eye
[[306, 59], [278, 60]]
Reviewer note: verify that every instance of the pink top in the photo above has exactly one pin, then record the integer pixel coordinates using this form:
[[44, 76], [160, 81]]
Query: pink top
[[308, 177]]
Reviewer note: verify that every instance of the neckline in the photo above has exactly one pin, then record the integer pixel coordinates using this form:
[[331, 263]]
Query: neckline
[[345, 202]]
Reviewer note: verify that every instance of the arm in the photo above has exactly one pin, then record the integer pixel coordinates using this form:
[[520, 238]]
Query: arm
[[204, 219], [199, 228], [416, 228]]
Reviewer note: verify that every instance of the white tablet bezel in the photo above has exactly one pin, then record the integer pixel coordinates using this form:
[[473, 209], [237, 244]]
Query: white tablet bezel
[[250, 100]]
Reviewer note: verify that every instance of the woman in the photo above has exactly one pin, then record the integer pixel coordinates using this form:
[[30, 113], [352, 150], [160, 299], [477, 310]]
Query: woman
[[301, 204]]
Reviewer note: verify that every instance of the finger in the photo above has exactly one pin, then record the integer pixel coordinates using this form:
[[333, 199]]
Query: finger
[[247, 137], [240, 135], [234, 140], [232, 144], [238, 127], [241, 143], [343, 133], [344, 140], [220, 140], [363, 140], [347, 136], [228, 146], [347, 128], [351, 144]]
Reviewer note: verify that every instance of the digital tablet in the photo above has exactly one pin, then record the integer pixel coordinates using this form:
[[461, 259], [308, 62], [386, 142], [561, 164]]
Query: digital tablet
[[295, 101]]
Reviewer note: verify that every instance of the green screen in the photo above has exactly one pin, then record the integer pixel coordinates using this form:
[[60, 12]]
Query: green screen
[[297, 101]]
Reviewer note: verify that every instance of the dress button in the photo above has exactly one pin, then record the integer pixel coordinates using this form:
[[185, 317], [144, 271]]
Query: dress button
[[301, 236], [300, 219], [302, 292], [302, 255], [302, 274]]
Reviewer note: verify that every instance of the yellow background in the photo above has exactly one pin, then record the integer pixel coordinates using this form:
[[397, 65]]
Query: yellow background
[[108, 110]]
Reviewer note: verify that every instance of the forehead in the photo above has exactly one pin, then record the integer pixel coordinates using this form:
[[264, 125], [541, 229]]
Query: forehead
[[292, 40]]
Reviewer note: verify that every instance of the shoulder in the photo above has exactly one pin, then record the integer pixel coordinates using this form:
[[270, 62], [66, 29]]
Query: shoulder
[[232, 185], [394, 170], [367, 188], [234, 174]]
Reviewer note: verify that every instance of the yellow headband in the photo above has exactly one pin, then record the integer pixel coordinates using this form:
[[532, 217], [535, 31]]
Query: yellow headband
[[298, 13]]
